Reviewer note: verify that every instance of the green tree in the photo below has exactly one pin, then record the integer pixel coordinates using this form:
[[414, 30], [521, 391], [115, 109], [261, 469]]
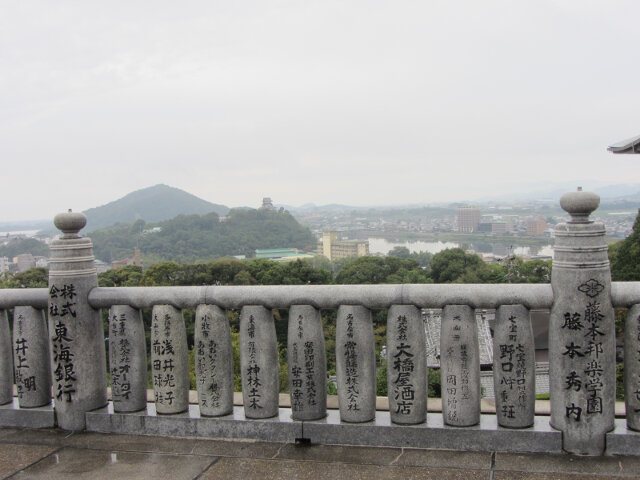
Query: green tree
[[377, 270], [32, 278], [400, 252], [381, 379], [532, 271], [454, 264], [24, 245], [127, 276], [625, 256], [162, 274]]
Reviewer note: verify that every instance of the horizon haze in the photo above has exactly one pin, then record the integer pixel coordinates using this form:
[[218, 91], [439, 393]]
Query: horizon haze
[[357, 103]]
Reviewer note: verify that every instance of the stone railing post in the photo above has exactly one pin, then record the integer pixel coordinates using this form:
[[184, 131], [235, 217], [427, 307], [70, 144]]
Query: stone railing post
[[581, 330], [76, 333]]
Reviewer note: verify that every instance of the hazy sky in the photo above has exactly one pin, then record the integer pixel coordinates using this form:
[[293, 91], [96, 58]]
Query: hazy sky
[[355, 102]]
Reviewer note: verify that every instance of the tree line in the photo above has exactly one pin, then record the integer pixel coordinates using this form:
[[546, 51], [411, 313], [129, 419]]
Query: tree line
[[400, 266]]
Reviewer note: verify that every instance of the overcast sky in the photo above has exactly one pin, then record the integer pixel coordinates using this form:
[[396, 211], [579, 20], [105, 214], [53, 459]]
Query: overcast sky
[[354, 102]]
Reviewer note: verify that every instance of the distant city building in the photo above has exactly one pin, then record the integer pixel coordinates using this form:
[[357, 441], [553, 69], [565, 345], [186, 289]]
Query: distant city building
[[267, 204], [42, 262], [499, 228], [468, 219], [24, 261], [101, 266], [536, 226], [282, 254], [135, 260], [4, 264], [333, 248]]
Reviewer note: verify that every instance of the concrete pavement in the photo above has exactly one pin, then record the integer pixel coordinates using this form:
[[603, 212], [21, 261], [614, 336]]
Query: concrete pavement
[[54, 454]]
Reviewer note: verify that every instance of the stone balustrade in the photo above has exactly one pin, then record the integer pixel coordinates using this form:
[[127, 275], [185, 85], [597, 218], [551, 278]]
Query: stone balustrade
[[63, 381]]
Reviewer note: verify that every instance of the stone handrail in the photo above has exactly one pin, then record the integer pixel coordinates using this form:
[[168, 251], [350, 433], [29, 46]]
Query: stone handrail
[[70, 360], [533, 296]]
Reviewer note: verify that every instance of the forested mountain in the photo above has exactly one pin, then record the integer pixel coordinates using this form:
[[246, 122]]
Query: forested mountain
[[189, 238], [24, 245], [153, 204]]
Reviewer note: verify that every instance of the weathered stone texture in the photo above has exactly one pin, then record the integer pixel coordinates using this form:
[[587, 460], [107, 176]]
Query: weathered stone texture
[[214, 361], [169, 360], [259, 362], [307, 363], [406, 365], [460, 366], [355, 364]]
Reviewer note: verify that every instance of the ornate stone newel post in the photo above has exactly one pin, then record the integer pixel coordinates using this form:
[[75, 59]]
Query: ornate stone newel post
[[76, 336], [581, 331]]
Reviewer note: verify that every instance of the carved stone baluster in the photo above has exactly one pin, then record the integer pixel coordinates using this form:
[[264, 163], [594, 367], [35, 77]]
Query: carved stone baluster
[[307, 363], [460, 366], [169, 360], [76, 332], [127, 359], [6, 360], [214, 361], [406, 365], [514, 366], [355, 364], [632, 367], [31, 357], [259, 362], [582, 349]]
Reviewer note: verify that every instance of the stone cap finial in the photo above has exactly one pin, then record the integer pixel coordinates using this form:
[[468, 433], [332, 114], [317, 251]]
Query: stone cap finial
[[70, 223], [579, 205]]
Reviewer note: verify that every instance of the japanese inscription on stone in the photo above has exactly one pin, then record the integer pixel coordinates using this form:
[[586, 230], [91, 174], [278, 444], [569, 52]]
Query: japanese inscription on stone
[[25, 382], [253, 383], [582, 350], [163, 359], [351, 367], [61, 311], [207, 362], [403, 366], [120, 355]]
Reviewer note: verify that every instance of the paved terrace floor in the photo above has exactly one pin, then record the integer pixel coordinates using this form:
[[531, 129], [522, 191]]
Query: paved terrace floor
[[53, 454]]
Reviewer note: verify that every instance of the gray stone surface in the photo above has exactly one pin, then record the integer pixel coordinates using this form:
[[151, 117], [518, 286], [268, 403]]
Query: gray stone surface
[[15, 457], [290, 470], [584, 466], [307, 363], [91, 465], [169, 360], [432, 322], [24, 449], [632, 367], [622, 440], [31, 357], [6, 360], [444, 459], [213, 361], [514, 367], [127, 359], [259, 362], [406, 365], [77, 347], [11, 415], [581, 331], [485, 436], [460, 366], [355, 364], [346, 454], [332, 296], [191, 424]]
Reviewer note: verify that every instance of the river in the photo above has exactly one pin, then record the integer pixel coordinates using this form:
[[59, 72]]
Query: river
[[382, 246]]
